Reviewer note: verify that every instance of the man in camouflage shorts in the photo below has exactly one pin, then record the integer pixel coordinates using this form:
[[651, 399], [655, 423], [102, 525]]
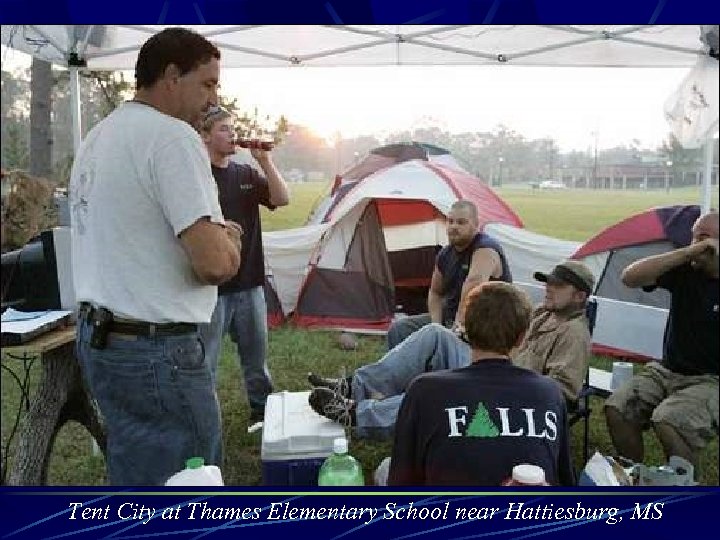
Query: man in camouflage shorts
[[679, 396]]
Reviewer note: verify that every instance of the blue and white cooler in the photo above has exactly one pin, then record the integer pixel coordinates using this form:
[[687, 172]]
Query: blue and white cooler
[[295, 441]]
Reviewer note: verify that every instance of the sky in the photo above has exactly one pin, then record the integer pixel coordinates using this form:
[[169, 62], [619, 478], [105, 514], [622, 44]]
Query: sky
[[571, 105]]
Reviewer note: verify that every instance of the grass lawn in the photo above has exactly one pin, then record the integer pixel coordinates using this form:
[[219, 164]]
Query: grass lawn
[[568, 214], [579, 214]]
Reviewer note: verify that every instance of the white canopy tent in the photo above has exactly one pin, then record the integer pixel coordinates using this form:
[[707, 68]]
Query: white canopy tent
[[105, 47], [116, 47]]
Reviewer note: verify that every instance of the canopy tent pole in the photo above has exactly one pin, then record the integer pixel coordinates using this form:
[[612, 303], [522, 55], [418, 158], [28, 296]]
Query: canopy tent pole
[[707, 177], [75, 108], [77, 139], [76, 61]]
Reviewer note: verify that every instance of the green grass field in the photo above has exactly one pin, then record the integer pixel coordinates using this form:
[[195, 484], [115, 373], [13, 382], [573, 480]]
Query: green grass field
[[572, 215]]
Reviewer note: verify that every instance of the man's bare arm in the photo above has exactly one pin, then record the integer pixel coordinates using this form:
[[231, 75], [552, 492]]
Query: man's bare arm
[[435, 297], [484, 264], [213, 250], [646, 271], [277, 187]]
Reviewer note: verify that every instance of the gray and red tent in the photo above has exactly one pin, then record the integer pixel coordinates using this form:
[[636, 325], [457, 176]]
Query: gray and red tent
[[378, 233], [647, 233], [634, 316]]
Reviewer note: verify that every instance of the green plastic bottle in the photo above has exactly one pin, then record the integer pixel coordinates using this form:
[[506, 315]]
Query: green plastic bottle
[[341, 469]]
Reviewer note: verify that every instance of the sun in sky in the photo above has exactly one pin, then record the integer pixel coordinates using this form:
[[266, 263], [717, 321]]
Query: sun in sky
[[567, 104]]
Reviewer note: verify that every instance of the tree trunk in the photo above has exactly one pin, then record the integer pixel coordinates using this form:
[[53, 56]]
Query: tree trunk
[[40, 108], [60, 397]]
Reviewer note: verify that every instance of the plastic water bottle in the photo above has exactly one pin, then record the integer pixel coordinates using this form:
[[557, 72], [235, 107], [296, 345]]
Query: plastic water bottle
[[526, 475], [341, 469], [196, 473]]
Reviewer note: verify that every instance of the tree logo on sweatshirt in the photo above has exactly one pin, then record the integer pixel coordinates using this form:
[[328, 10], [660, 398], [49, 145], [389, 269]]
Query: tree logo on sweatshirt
[[513, 422], [481, 424]]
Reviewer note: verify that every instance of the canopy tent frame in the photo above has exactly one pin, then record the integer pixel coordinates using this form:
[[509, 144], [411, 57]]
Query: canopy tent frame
[[414, 38], [706, 198], [77, 54], [467, 44]]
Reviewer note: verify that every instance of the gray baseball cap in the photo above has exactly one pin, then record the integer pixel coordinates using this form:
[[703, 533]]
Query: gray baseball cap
[[574, 273]]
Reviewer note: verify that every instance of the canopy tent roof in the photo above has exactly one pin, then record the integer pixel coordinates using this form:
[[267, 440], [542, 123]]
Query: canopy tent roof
[[105, 47], [115, 47]]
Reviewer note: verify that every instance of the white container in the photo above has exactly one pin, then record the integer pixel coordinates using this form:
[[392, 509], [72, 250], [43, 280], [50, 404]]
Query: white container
[[621, 373], [296, 440], [526, 475], [382, 472], [531, 475], [196, 473]]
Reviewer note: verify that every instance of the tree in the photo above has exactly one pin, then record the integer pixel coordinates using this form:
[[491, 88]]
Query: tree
[[672, 150], [15, 126], [481, 424], [15, 146], [14, 89], [102, 92], [27, 210], [112, 86], [304, 150], [41, 83]]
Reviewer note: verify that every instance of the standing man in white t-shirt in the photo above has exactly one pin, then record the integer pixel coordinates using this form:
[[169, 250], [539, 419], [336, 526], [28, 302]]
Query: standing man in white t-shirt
[[149, 247]]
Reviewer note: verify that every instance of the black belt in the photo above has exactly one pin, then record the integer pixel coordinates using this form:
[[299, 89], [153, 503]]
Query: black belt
[[141, 328]]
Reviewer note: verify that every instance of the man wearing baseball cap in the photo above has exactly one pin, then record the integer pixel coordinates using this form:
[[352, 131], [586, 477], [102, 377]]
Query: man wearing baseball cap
[[572, 273], [557, 342]]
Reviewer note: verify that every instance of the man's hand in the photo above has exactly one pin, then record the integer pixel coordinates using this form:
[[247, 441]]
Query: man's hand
[[214, 256], [279, 195], [235, 232], [707, 246], [259, 154]]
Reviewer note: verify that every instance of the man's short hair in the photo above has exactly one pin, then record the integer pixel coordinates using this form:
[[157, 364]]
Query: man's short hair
[[214, 114], [709, 216], [496, 315], [464, 204], [179, 46]]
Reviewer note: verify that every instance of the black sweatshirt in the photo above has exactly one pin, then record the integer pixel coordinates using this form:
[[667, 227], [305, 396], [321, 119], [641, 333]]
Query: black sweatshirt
[[470, 426]]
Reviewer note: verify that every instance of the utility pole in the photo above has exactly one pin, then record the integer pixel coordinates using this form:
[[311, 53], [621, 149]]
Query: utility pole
[[595, 138], [338, 152]]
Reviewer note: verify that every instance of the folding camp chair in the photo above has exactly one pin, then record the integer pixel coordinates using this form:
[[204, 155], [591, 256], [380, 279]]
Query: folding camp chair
[[583, 404]]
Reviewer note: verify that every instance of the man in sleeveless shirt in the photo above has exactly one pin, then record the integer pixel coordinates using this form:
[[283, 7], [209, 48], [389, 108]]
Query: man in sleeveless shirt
[[470, 258]]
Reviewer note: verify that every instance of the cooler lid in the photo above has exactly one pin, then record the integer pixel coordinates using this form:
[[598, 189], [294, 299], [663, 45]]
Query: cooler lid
[[292, 430]]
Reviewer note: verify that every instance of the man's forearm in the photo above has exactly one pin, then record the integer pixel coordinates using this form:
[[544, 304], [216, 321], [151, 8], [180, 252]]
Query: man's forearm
[[646, 271], [279, 195], [435, 307], [470, 283]]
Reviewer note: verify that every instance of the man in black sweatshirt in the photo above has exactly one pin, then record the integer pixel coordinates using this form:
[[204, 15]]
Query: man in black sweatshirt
[[471, 425]]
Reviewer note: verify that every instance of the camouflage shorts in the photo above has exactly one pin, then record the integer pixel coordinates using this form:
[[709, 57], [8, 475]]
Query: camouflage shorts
[[689, 403]]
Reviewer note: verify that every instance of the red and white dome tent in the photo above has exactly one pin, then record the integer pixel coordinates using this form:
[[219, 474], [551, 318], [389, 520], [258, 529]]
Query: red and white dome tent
[[384, 222]]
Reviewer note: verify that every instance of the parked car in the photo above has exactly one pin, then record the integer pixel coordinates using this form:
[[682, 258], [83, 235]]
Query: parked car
[[552, 184]]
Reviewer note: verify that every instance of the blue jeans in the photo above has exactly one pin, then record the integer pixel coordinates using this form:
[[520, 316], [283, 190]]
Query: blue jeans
[[242, 314], [378, 388], [158, 403], [400, 329]]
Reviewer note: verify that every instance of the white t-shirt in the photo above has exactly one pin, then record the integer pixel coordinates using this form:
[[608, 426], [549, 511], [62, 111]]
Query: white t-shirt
[[139, 179]]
